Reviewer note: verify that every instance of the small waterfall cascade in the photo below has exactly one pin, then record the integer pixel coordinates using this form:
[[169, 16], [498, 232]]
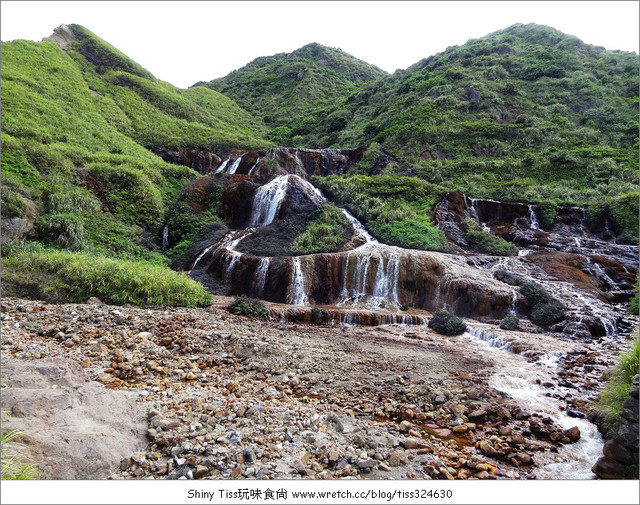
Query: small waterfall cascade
[[165, 237], [386, 281], [297, 294], [267, 201], [533, 219], [234, 166], [269, 198], [357, 226], [491, 339], [195, 263], [222, 166], [260, 277], [254, 166], [370, 277]]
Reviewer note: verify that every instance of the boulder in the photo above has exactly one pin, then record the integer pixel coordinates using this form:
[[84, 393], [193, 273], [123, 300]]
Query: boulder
[[75, 428]]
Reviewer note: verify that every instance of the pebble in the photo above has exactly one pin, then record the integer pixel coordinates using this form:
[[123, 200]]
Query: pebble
[[260, 401]]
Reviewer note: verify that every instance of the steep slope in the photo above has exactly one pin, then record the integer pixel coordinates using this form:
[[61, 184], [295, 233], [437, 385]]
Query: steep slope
[[77, 127], [285, 90]]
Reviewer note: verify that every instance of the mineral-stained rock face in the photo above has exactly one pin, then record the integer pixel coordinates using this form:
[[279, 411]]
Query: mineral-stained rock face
[[201, 161]]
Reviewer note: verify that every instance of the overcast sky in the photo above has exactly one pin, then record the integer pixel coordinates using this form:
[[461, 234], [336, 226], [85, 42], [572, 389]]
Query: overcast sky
[[185, 42]]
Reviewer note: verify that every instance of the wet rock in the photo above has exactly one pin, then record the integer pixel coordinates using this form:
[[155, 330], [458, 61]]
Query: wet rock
[[573, 434], [607, 468]]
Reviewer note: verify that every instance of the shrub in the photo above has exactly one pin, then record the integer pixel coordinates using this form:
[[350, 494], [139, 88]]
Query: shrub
[[318, 316], [248, 307], [509, 322], [535, 293], [485, 241], [326, 233], [445, 323], [616, 390], [64, 276], [546, 314], [544, 309]]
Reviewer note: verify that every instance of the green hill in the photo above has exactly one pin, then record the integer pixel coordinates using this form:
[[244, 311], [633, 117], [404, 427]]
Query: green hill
[[286, 90], [526, 113], [77, 129]]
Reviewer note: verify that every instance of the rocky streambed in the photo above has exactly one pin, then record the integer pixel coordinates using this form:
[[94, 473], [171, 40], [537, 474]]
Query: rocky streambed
[[201, 393]]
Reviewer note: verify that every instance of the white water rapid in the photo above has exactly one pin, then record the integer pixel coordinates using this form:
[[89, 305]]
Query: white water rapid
[[517, 377]]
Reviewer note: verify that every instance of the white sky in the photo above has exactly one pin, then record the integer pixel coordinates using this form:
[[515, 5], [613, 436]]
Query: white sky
[[185, 42]]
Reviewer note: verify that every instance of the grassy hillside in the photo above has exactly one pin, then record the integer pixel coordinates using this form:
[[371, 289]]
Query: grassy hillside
[[77, 127], [527, 113], [286, 90]]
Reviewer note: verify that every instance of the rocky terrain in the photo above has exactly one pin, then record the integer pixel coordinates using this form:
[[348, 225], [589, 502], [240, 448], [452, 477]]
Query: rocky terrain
[[223, 396]]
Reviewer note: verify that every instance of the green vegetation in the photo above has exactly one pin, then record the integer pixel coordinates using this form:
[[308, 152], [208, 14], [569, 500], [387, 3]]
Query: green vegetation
[[319, 316], [486, 242], [12, 466], [544, 310], [328, 232], [294, 93], [509, 322], [61, 276], [445, 323], [395, 209], [526, 113], [77, 127], [248, 307], [616, 390]]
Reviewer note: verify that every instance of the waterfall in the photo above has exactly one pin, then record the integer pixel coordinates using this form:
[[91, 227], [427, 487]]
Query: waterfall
[[235, 165], [165, 237], [267, 201], [221, 166], [254, 166], [268, 198], [357, 226], [491, 339], [195, 263], [386, 281], [260, 277], [297, 295], [533, 219]]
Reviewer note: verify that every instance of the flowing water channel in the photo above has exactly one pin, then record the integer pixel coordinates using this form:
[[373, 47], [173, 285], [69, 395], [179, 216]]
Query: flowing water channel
[[370, 278]]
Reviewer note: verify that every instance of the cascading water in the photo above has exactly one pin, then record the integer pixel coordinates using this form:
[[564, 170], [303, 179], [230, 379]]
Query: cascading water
[[267, 201], [533, 219], [357, 226], [254, 166], [260, 277], [297, 294], [165, 237], [269, 198], [386, 281], [235, 165], [519, 379], [222, 166]]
